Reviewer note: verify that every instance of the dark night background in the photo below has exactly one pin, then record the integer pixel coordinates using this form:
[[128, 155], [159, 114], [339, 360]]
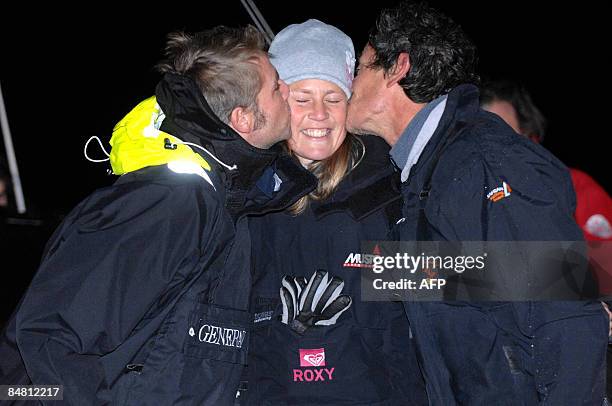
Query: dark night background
[[68, 74]]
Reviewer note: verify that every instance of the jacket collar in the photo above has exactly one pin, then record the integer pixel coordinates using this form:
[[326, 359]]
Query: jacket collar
[[296, 181], [373, 184], [189, 115], [190, 118], [462, 103]]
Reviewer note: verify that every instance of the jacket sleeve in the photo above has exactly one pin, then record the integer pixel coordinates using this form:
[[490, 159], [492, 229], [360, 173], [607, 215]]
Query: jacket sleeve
[[12, 369], [116, 256]]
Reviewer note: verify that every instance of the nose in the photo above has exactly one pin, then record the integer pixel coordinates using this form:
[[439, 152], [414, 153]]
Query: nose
[[284, 89], [319, 111]]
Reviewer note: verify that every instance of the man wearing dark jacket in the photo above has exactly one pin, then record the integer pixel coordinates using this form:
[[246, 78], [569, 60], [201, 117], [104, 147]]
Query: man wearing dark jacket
[[142, 294], [467, 177]]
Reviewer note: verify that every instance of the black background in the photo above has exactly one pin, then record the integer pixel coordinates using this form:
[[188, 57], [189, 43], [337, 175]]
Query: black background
[[70, 73]]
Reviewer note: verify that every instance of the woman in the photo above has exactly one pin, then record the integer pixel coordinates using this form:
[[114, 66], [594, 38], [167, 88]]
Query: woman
[[364, 351]]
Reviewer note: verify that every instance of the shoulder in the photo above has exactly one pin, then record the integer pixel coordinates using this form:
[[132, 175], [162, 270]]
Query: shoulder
[[146, 194], [373, 163], [375, 152], [486, 140], [583, 180], [375, 146], [486, 154]]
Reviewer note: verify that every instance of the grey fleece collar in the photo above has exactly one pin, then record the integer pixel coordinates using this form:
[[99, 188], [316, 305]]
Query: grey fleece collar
[[406, 152]]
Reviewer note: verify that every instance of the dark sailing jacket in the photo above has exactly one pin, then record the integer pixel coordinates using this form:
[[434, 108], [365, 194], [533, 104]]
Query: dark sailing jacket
[[477, 180], [142, 294], [367, 356]]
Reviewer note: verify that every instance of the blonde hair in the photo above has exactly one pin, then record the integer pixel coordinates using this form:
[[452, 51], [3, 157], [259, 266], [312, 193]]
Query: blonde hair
[[222, 61], [331, 171]]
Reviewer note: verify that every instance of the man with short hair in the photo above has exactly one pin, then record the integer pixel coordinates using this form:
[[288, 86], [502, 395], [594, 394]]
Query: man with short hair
[[143, 292], [415, 88]]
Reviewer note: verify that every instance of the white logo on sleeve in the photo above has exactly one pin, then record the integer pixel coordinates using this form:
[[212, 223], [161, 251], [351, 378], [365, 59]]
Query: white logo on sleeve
[[500, 192], [228, 337]]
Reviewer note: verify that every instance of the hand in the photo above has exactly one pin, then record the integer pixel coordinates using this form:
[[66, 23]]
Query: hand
[[314, 303]]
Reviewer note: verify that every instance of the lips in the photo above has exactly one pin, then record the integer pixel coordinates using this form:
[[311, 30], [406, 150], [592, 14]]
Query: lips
[[316, 132]]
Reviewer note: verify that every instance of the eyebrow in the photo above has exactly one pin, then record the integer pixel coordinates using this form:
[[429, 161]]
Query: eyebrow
[[308, 91]]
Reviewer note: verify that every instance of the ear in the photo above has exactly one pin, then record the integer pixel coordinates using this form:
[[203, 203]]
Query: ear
[[399, 70], [242, 120]]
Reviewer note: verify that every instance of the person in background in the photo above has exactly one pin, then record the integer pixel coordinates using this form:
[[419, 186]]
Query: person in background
[[318, 342], [142, 293], [466, 176], [512, 102]]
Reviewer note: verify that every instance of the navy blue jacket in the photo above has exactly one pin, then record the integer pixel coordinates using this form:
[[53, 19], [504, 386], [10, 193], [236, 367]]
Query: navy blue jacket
[[484, 353], [368, 358], [142, 293]]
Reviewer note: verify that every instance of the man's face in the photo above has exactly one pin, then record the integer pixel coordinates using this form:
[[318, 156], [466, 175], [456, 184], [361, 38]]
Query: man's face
[[272, 120], [367, 101]]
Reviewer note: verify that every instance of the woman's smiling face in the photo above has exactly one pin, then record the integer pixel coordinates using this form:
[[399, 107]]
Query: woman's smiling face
[[318, 119]]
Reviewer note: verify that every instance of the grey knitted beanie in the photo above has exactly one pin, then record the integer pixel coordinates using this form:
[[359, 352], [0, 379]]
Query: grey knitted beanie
[[314, 50]]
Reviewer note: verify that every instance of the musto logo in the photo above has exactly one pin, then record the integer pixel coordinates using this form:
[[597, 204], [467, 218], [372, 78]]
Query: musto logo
[[361, 260], [312, 358]]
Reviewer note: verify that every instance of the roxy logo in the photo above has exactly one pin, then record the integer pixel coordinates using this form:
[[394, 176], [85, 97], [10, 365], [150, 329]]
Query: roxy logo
[[310, 375], [313, 358]]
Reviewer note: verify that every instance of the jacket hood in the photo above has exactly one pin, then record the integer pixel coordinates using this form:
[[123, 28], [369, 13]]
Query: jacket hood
[[137, 142], [189, 117]]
